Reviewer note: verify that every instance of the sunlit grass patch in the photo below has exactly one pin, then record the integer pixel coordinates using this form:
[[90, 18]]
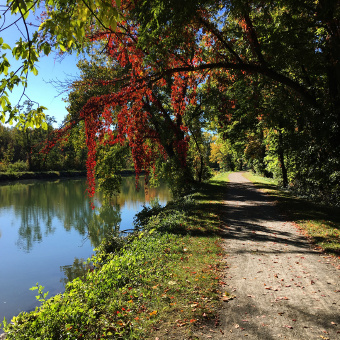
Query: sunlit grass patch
[[325, 234], [221, 177], [191, 293], [319, 222]]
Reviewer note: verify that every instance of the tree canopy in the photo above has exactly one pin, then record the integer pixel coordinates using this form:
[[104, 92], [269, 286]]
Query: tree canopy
[[264, 75]]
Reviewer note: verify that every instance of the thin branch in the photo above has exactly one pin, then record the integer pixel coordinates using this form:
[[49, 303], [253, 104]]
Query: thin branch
[[251, 68], [254, 41], [219, 36], [94, 14], [16, 21], [29, 49]]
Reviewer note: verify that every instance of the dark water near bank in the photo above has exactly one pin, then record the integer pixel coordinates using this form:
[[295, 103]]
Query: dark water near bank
[[48, 229]]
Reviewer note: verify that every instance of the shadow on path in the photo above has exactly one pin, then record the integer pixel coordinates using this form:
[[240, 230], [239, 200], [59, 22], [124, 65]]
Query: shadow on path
[[282, 288], [249, 216]]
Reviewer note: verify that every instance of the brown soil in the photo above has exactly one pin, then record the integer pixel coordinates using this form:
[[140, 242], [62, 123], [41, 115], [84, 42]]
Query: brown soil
[[280, 287]]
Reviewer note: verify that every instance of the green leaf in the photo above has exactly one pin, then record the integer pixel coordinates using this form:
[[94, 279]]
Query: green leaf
[[47, 49], [5, 46]]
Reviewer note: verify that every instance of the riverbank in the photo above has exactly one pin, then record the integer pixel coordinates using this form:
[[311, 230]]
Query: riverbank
[[14, 176], [5, 176], [163, 279]]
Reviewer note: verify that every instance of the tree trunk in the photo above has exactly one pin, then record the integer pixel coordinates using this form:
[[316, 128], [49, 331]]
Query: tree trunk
[[282, 161]]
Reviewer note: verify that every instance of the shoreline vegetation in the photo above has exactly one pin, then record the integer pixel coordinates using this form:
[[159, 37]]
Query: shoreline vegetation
[[14, 176], [163, 280]]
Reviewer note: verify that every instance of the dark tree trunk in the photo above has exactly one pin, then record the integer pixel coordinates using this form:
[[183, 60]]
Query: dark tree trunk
[[201, 170], [28, 150], [282, 161]]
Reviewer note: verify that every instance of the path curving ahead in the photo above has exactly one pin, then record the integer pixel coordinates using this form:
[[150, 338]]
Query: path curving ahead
[[283, 288]]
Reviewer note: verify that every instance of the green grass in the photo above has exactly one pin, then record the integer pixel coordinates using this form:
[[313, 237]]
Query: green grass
[[318, 222], [160, 282]]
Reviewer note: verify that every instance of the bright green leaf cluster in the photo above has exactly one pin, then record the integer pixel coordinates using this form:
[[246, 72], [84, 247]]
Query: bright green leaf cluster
[[67, 26]]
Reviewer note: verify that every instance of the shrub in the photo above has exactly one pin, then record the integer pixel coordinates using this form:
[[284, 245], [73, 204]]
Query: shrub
[[18, 166]]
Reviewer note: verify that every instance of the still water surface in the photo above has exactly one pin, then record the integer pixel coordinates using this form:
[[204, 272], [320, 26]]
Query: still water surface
[[48, 229]]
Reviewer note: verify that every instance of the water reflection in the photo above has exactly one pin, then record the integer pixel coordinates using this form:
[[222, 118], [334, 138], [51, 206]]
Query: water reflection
[[37, 204], [105, 220], [79, 268]]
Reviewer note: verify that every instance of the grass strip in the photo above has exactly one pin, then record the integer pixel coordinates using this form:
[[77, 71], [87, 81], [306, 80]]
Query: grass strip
[[160, 281], [318, 222]]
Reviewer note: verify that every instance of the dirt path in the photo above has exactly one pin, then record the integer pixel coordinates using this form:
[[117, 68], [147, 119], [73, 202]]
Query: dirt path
[[283, 288]]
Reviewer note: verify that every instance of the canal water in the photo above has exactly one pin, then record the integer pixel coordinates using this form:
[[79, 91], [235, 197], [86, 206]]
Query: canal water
[[48, 230]]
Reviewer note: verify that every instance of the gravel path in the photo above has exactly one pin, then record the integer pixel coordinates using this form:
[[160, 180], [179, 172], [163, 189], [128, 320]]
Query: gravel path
[[281, 288]]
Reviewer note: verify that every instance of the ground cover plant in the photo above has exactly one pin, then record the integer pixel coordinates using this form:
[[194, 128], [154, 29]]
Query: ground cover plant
[[162, 279], [319, 222]]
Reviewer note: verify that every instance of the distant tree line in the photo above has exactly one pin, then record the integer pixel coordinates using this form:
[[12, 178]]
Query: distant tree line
[[21, 149]]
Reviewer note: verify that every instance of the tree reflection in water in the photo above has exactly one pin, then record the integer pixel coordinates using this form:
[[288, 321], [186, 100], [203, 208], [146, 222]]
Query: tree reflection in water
[[79, 268], [38, 204]]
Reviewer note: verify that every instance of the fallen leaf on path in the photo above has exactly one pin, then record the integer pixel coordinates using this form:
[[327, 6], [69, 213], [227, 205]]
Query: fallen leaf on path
[[281, 298], [228, 297]]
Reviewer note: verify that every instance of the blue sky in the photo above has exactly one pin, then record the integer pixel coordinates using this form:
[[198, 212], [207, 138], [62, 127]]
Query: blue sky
[[50, 68], [39, 90]]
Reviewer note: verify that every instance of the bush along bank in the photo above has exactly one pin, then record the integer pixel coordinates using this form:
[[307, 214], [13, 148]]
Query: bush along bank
[[162, 279], [14, 176], [18, 175]]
